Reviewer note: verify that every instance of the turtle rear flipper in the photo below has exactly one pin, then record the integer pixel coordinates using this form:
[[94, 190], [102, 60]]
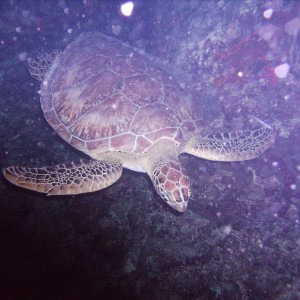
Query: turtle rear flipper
[[40, 65], [232, 146], [66, 179]]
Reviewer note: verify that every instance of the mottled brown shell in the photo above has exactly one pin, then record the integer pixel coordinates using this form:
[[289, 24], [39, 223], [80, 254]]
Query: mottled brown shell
[[101, 94]]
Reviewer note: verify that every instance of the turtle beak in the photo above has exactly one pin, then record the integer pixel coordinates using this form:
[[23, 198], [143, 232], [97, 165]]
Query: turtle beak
[[181, 195], [181, 207]]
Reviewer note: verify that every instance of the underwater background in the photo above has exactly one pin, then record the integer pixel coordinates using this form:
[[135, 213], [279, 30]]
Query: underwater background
[[239, 238]]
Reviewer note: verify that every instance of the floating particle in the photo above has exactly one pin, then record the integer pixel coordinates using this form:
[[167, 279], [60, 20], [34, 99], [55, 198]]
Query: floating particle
[[292, 27], [116, 30], [226, 229], [267, 32], [268, 13], [127, 8], [22, 56], [282, 70]]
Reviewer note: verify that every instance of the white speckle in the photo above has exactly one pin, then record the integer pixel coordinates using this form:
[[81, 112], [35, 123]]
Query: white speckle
[[18, 29], [41, 144], [286, 97], [275, 164], [226, 229], [219, 214], [25, 13], [69, 30], [127, 8], [66, 10], [83, 15], [38, 29], [45, 83], [276, 215], [298, 168], [292, 27], [240, 74], [293, 186], [2, 42], [116, 30], [221, 3], [22, 56], [282, 70], [268, 13], [267, 32], [114, 106]]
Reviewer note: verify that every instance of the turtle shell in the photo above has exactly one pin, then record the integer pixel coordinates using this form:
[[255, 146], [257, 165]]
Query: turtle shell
[[102, 95]]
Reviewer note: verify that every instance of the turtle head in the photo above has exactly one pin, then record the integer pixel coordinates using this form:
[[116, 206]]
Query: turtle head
[[172, 184]]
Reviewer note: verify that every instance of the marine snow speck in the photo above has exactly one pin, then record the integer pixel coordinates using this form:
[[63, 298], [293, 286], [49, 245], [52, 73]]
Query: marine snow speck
[[125, 109]]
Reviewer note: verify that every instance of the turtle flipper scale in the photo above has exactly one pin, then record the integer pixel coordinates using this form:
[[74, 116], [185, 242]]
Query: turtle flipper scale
[[66, 179], [233, 146], [40, 65]]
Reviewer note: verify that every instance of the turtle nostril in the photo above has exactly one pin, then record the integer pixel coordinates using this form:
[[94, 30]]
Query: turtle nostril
[[181, 195], [186, 193], [176, 195]]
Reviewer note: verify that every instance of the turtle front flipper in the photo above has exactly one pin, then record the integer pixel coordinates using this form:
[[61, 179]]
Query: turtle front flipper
[[66, 179], [233, 146]]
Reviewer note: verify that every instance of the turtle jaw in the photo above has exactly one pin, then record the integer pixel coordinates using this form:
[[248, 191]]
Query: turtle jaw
[[181, 207], [177, 198]]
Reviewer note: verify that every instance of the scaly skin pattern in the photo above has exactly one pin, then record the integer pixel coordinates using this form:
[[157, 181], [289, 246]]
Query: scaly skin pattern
[[232, 146], [167, 174], [171, 183], [66, 179]]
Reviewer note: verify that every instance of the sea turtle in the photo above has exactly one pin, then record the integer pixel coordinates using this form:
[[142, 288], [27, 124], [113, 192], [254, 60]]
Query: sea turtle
[[125, 109]]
